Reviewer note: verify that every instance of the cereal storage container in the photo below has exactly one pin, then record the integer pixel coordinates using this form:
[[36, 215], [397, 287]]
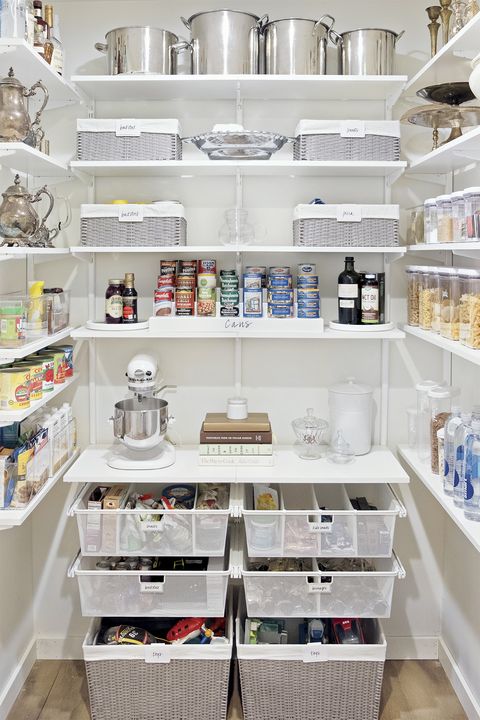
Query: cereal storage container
[[444, 219], [430, 220], [449, 303], [429, 299], [472, 212], [469, 281], [413, 294], [458, 216]]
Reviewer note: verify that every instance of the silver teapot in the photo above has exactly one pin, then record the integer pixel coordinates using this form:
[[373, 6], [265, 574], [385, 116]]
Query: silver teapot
[[19, 221], [15, 122]]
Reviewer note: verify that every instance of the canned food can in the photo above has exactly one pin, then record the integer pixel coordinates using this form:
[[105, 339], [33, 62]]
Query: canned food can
[[258, 270], [279, 281], [185, 302], [163, 302], [308, 294], [68, 350], [168, 267], [12, 325], [308, 304], [58, 364], [48, 363], [207, 280], [207, 302], [279, 311], [308, 313], [230, 311], [252, 303], [306, 269], [229, 284], [228, 273], [208, 267], [15, 388], [281, 270], [229, 297], [282, 297], [307, 281], [36, 377], [252, 281], [187, 267], [185, 282], [166, 282]]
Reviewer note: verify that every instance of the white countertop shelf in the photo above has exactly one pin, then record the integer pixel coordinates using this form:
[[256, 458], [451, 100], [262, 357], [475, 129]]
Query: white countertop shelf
[[456, 348], [272, 168], [25, 159], [465, 249], [109, 88], [32, 347], [20, 253], [451, 63], [14, 517], [379, 466], [433, 483], [455, 155], [244, 249], [7, 417], [30, 67]]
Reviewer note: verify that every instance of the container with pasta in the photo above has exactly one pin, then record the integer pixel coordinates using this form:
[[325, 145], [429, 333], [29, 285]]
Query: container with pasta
[[449, 303], [470, 308], [440, 398], [427, 296], [413, 294]]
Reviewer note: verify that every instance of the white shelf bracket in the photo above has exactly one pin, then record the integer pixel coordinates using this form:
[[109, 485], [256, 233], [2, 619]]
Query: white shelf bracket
[[394, 176], [433, 179], [83, 257], [389, 258]]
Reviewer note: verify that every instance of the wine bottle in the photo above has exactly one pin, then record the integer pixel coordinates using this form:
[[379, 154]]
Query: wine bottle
[[349, 297]]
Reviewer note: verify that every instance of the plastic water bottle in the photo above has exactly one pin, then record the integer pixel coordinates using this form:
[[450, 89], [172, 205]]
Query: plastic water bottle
[[472, 473], [459, 471], [448, 469]]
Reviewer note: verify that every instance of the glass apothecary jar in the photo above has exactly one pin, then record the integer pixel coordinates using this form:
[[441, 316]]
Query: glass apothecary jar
[[448, 282], [472, 213], [469, 281], [444, 219], [416, 226], [413, 294], [458, 217], [430, 220], [440, 399]]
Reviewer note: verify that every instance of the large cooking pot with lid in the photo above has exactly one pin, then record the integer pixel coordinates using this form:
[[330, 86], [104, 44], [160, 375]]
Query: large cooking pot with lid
[[225, 42], [140, 50], [141, 424], [297, 46], [368, 51]]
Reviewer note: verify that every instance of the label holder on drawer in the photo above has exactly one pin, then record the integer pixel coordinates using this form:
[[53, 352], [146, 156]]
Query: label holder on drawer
[[320, 585], [158, 653], [324, 525], [154, 585]]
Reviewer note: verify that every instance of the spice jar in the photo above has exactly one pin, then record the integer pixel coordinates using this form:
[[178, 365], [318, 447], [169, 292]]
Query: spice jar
[[413, 294], [470, 308], [429, 299], [472, 213], [449, 303], [458, 216], [423, 418], [440, 399], [430, 220], [444, 219]]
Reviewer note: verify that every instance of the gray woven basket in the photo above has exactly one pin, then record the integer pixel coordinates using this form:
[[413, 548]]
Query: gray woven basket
[[179, 690], [336, 147], [294, 690], [328, 232], [152, 232], [103, 146]]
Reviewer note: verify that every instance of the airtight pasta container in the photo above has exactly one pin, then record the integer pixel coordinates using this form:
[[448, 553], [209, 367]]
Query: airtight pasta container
[[101, 140], [352, 140]]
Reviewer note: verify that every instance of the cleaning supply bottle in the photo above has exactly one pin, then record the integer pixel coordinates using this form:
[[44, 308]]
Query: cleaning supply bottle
[[472, 473], [461, 434], [37, 310], [449, 449]]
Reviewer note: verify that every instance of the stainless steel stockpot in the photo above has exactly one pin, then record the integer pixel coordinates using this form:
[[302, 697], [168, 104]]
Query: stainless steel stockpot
[[297, 46], [368, 51], [225, 42], [141, 424], [140, 50]]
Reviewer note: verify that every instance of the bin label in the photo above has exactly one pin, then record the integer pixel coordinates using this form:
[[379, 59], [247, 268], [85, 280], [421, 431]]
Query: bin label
[[315, 652], [152, 587], [127, 128], [157, 653], [352, 128], [152, 525]]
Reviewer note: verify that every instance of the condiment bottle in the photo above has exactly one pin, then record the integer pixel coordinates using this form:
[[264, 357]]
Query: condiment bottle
[[114, 302], [130, 300], [349, 298]]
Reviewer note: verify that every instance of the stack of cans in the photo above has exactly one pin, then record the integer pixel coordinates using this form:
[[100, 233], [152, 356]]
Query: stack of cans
[[308, 291], [207, 288], [229, 294], [253, 292], [280, 300]]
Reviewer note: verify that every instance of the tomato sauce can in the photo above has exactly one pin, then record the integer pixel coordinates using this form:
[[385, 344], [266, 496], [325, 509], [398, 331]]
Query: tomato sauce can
[[48, 370], [68, 350], [58, 364]]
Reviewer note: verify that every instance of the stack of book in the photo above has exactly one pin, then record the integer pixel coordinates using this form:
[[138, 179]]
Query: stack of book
[[236, 442]]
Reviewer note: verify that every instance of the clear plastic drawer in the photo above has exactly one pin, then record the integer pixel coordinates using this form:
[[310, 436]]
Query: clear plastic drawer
[[321, 520], [135, 532]]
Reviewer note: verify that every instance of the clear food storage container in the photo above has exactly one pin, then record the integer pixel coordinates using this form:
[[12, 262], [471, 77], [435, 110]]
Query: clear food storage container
[[320, 587], [413, 294], [22, 319], [472, 212], [429, 299], [444, 219], [152, 593], [416, 226], [324, 520], [440, 398], [430, 220], [424, 418], [155, 532], [449, 303], [58, 310], [458, 215], [470, 308]]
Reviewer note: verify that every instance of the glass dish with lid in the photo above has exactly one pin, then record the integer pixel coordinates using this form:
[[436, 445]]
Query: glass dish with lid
[[312, 436]]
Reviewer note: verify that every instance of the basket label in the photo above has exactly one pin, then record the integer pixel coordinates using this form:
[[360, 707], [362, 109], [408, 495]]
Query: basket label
[[324, 526], [127, 213], [349, 213], [127, 128], [352, 128], [151, 587], [158, 653], [315, 652]]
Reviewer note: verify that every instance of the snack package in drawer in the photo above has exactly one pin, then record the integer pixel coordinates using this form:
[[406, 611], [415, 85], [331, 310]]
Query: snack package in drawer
[[94, 520], [115, 499]]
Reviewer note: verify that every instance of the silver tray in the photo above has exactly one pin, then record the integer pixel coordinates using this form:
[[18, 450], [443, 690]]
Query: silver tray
[[244, 145]]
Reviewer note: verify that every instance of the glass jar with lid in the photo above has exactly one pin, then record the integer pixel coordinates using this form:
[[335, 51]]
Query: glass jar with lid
[[448, 283], [472, 213], [430, 220], [458, 216], [469, 280], [311, 435], [440, 399], [444, 219], [413, 294]]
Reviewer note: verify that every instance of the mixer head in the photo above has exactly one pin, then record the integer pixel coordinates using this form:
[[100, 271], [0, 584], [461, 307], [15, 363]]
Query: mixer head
[[142, 372]]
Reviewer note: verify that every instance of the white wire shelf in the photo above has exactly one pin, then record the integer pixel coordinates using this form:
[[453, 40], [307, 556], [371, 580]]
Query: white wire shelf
[[244, 249], [7, 417], [32, 347]]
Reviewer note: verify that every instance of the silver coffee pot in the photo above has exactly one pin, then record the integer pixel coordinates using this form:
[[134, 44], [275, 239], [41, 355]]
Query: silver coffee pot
[[19, 221], [15, 122]]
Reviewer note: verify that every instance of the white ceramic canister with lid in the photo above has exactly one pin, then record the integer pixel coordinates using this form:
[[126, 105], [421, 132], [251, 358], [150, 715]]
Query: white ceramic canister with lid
[[351, 412]]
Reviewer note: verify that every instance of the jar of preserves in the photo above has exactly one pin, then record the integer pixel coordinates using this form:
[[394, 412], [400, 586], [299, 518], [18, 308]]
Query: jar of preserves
[[444, 219], [458, 216], [413, 294], [114, 302], [430, 220], [472, 212], [449, 303]]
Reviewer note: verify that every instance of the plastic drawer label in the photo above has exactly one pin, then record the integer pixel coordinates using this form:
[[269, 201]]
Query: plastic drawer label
[[157, 653], [152, 525], [325, 526], [315, 652], [152, 587], [324, 587]]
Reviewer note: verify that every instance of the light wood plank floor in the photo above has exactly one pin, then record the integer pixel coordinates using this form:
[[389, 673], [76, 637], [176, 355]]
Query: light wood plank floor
[[412, 690]]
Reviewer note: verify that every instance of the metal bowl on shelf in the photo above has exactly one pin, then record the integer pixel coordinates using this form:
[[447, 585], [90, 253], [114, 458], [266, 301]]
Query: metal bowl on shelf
[[239, 144]]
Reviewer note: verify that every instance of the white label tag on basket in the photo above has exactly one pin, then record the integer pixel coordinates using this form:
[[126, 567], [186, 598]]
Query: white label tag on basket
[[158, 653], [349, 213], [127, 128], [325, 526], [127, 213], [152, 525], [352, 128], [152, 587], [315, 652]]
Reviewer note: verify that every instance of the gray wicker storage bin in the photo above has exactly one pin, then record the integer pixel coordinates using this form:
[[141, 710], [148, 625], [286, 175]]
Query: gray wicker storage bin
[[99, 141], [163, 225], [318, 226], [327, 140]]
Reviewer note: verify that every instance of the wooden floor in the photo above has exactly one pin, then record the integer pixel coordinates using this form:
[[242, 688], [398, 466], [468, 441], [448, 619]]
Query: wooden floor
[[412, 690]]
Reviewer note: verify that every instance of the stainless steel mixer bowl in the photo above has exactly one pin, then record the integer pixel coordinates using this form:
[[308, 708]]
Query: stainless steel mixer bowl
[[141, 424]]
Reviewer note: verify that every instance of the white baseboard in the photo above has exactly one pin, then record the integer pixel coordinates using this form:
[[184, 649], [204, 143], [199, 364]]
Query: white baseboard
[[69, 648], [412, 648], [458, 682], [17, 680]]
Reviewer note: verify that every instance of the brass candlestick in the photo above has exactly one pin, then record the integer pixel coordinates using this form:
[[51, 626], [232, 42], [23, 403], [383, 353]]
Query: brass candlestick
[[433, 13], [446, 15]]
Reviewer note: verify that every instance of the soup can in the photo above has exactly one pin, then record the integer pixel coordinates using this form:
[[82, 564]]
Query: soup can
[[207, 280], [36, 377], [48, 370], [15, 388], [68, 350], [58, 364]]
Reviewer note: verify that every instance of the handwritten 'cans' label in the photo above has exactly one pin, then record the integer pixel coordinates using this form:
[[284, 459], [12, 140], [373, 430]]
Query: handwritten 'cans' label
[[349, 213], [352, 128], [127, 213], [127, 128], [158, 653], [315, 652]]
